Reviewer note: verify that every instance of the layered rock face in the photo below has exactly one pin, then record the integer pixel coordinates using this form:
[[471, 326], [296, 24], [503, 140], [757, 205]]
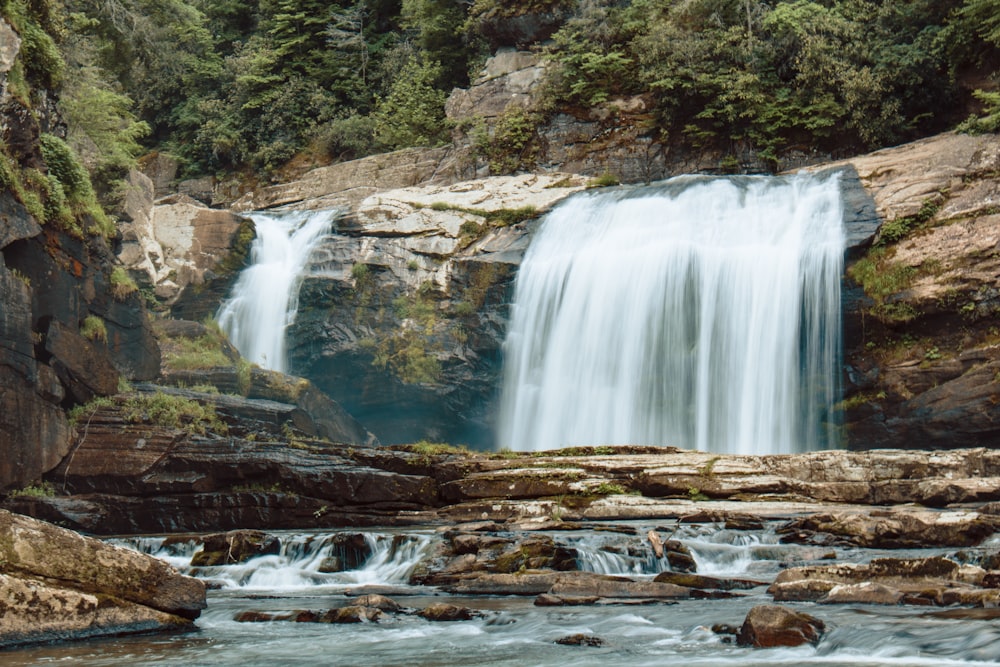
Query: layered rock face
[[55, 584]]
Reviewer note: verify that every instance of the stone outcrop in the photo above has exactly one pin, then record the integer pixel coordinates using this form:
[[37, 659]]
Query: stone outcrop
[[510, 77], [176, 243], [56, 584], [889, 581], [346, 184], [921, 347]]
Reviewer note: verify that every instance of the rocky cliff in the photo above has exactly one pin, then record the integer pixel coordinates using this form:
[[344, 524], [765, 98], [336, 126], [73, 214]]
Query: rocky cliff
[[69, 326]]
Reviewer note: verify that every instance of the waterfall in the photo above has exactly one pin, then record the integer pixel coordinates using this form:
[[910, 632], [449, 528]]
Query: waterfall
[[699, 312], [264, 299]]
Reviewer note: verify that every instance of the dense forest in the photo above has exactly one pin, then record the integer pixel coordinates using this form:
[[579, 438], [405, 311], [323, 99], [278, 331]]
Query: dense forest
[[248, 85]]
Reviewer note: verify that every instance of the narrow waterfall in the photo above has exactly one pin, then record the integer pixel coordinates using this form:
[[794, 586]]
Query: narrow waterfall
[[699, 312], [264, 299]]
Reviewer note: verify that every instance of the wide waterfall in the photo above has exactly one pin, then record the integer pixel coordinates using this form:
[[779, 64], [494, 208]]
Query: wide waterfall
[[264, 299], [700, 312]]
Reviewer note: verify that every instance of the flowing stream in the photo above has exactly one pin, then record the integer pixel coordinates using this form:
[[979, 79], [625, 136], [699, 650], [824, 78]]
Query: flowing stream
[[264, 299], [514, 632], [699, 312]]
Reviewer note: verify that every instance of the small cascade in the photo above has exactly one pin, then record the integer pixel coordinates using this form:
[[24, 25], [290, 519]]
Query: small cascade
[[304, 561], [264, 299], [715, 549], [603, 554], [699, 312]]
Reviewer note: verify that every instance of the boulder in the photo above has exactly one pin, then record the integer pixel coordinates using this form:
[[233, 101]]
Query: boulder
[[769, 626], [57, 584], [177, 241], [84, 368], [34, 548], [35, 612]]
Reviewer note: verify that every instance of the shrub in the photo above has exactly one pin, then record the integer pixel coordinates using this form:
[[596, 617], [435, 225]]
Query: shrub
[[40, 490], [172, 411]]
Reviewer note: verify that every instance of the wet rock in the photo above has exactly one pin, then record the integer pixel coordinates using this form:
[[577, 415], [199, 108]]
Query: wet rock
[[350, 550], [864, 593], [379, 602], [679, 557], [236, 546], [547, 600], [580, 640], [528, 583], [920, 581], [351, 614], [616, 587], [689, 580], [444, 612], [297, 616], [768, 626]]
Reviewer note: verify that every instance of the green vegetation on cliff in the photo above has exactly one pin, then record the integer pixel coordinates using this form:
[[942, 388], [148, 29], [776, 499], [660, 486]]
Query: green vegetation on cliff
[[231, 84]]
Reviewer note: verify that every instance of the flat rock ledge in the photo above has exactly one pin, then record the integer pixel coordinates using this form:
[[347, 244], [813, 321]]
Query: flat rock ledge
[[56, 584]]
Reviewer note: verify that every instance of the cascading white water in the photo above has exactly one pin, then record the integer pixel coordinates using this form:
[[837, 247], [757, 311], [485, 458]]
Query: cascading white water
[[700, 312], [264, 299]]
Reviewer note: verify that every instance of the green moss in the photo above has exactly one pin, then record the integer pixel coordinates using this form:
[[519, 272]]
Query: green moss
[[427, 448], [605, 180], [240, 249], [171, 411], [93, 328], [122, 284], [611, 489], [185, 354], [40, 490]]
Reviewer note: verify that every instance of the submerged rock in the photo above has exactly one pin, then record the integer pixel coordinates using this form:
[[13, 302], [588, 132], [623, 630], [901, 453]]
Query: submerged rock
[[768, 626], [580, 640]]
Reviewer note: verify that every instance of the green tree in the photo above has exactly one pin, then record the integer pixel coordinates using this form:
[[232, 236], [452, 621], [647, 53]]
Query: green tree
[[413, 113]]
